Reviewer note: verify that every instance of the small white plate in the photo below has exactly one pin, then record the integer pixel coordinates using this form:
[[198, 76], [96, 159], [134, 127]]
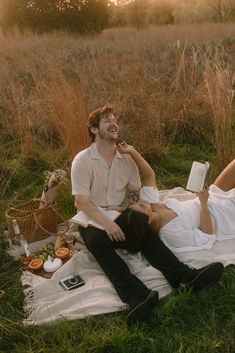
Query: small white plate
[[52, 266]]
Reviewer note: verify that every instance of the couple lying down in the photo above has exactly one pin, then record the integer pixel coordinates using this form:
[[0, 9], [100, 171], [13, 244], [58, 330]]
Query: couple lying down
[[182, 225], [101, 174]]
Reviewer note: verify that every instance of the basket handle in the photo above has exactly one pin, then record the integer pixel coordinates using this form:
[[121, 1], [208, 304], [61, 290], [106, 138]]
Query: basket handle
[[46, 231], [17, 209]]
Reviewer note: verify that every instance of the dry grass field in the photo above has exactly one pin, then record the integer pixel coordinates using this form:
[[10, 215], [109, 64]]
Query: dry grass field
[[163, 81]]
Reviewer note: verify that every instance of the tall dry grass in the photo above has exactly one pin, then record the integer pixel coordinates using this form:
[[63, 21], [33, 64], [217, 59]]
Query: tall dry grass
[[219, 81], [162, 80], [66, 111]]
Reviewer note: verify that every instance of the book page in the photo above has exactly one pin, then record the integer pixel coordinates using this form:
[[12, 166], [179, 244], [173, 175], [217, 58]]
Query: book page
[[197, 176], [82, 219]]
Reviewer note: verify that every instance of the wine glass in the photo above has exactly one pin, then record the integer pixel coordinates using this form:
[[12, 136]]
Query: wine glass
[[69, 238]]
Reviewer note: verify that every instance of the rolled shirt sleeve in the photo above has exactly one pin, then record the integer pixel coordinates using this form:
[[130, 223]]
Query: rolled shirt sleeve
[[150, 194], [80, 176]]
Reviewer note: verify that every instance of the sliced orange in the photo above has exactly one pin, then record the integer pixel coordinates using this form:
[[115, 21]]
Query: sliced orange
[[62, 253], [35, 264]]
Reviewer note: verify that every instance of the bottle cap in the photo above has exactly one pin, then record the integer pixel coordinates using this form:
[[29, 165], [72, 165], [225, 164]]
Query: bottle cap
[[15, 227]]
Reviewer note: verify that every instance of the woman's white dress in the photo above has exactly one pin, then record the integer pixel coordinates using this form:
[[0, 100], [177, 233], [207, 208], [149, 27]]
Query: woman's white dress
[[183, 233]]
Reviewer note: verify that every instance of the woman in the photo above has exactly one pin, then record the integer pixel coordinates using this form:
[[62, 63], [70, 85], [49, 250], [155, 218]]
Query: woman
[[183, 225]]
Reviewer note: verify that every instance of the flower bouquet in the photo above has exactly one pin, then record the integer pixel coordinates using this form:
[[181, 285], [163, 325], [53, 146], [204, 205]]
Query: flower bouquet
[[54, 182]]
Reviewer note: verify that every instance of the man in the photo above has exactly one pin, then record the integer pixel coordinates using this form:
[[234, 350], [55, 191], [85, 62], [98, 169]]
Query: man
[[100, 177]]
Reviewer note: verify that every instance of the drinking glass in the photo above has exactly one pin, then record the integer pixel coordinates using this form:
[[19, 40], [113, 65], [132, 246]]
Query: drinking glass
[[69, 238]]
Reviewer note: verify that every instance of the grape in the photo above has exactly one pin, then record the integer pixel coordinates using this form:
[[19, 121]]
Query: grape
[[42, 257]]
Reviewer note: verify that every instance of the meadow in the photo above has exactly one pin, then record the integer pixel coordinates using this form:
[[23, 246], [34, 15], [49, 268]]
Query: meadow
[[173, 91]]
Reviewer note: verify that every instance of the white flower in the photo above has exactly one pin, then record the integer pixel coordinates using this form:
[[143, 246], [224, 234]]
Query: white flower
[[58, 176]]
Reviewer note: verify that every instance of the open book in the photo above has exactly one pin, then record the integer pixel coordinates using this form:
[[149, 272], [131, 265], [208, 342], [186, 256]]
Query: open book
[[83, 220], [197, 176]]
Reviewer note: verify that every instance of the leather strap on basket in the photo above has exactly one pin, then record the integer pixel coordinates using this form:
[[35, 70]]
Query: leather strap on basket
[[58, 214], [26, 203]]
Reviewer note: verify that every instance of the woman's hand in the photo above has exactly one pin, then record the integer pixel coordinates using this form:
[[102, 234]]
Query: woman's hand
[[123, 148], [206, 225], [145, 170], [203, 196]]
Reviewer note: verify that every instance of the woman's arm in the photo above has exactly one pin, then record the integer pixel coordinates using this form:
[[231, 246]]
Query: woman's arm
[[145, 170], [206, 222]]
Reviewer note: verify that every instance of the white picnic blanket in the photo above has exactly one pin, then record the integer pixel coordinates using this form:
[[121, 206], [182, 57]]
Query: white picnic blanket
[[46, 301]]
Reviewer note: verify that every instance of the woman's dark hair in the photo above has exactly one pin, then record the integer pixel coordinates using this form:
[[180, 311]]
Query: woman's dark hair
[[135, 226]]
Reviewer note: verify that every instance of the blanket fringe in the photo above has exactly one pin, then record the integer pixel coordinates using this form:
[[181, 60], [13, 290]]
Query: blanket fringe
[[27, 282]]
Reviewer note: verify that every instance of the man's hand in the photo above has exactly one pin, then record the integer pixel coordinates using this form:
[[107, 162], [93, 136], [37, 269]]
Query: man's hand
[[113, 231]]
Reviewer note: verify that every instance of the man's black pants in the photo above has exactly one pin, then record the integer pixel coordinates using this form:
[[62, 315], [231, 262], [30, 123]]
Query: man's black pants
[[126, 284]]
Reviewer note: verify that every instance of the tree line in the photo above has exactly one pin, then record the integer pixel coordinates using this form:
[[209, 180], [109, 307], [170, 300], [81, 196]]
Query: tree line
[[49, 15], [92, 16]]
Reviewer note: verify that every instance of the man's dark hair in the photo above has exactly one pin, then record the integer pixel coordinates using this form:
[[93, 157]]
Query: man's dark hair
[[96, 116]]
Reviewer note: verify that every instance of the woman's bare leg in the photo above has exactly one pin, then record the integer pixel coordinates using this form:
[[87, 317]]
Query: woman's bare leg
[[226, 179]]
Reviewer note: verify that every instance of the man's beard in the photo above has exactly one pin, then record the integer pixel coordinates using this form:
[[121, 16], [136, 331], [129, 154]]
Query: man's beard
[[106, 136]]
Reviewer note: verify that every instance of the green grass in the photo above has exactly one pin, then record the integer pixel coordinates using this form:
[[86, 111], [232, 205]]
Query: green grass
[[182, 323], [173, 168]]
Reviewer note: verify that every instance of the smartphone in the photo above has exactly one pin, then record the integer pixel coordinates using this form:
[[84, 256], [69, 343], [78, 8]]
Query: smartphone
[[71, 282]]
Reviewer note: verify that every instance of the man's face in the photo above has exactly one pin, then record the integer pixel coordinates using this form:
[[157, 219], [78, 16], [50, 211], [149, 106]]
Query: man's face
[[108, 128]]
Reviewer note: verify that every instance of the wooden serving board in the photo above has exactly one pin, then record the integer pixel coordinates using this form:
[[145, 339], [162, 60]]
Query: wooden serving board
[[45, 274]]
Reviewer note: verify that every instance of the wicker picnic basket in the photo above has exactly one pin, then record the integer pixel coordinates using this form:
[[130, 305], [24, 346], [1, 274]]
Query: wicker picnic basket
[[36, 219]]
